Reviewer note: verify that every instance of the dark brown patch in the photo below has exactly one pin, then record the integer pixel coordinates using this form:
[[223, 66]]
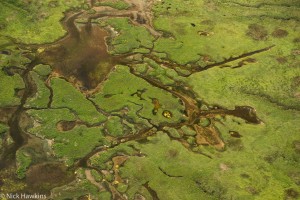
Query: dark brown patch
[[279, 33], [296, 146], [295, 176], [84, 197], [81, 55], [65, 125], [6, 114], [244, 62], [291, 194], [296, 82], [245, 112], [296, 40], [296, 52], [5, 52], [235, 134], [281, 60], [257, 32], [156, 105], [46, 176], [243, 175], [209, 136], [250, 60], [295, 87], [172, 153], [270, 158], [8, 181], [204, 33], [252, 190], [140, 19], [168, 35]]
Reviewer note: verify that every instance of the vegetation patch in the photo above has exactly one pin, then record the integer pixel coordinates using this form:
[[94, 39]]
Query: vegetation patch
[[23, 162], [65, 95], [115, 97], [70, 145], [41, 97], [129, 36], [34, 21], [175, 99], [10, 80]]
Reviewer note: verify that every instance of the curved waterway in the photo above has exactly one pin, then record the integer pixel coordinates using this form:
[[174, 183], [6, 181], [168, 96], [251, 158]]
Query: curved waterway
[[82, 58], [81, 55]]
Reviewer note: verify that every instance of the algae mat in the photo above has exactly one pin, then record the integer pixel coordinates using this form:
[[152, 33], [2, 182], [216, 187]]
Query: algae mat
[[150, 99]]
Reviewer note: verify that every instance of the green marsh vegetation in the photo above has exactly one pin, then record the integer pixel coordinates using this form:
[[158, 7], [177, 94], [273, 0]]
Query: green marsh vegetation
[[150, 99]]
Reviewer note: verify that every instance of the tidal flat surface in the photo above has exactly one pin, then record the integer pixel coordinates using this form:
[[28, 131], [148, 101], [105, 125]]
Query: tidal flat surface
[[150, 99]]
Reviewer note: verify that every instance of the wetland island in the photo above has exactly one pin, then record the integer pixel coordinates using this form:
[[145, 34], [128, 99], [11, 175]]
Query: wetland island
[[150, 99]]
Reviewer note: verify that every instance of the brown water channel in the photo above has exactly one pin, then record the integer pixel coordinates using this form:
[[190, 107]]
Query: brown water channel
[[82, 55], [82, 58]]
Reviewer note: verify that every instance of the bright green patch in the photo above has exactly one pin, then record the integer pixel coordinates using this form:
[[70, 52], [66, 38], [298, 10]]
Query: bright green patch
[[8, 86], [42, 70], [240, 176], [65, 95], [36, 21], [114, 126], [102, 160], [135, 93], [10, 80], [208, 32], [96, 175], [130, 37], [71, 144], [23, 162]]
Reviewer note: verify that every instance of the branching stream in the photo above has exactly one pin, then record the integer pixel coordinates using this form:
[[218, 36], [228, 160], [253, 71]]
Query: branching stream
[[83, 51]]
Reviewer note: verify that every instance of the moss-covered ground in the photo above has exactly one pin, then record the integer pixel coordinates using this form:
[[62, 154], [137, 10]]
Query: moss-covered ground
[[34, 21], [10, 81], [199, 99]]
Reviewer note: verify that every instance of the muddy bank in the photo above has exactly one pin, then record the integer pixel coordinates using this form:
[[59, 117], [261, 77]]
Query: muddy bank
[[45, 176]]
